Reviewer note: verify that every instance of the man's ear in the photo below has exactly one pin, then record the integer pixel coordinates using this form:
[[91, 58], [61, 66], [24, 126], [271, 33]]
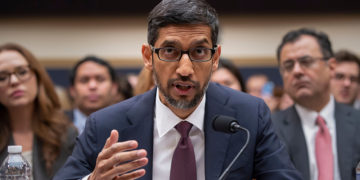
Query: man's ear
[[332, 64], [147, 56], [114, 89], [72, 92], [216, 58]]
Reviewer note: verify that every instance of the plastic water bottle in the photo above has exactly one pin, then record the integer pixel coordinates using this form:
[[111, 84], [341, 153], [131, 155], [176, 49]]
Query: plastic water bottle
[[358, 171], [15, 166]]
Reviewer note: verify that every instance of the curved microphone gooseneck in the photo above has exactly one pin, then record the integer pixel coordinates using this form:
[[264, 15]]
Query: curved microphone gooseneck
[[228, 124]]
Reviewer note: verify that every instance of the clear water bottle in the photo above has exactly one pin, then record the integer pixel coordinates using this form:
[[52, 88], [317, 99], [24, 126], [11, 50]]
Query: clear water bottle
[[15, 166], [358, 171]]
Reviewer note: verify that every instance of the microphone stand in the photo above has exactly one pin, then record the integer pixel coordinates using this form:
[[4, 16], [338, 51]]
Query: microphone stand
[[227, 170]]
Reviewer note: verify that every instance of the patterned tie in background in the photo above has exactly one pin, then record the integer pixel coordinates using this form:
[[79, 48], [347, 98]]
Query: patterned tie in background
[[323, 151], [183, 165]]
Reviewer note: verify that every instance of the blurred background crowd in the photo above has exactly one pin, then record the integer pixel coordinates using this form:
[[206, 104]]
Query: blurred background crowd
[[89, 55]]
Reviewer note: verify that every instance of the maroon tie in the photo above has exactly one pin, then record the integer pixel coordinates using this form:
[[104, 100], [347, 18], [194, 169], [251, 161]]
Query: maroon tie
[[323, 151], [183, 165]]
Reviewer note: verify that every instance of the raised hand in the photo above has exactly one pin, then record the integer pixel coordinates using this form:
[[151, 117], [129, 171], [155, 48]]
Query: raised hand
[[118, 159]]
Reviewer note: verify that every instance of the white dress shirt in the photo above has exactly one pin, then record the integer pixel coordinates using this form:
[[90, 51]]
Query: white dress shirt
[[79, 120], [308, 122], [166, 139]]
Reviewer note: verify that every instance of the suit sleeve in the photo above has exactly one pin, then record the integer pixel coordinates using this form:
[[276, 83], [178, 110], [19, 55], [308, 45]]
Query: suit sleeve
[[83, 158], [271, 158]]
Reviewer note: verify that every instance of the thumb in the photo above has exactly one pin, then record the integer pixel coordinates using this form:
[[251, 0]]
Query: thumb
[[113, 138]]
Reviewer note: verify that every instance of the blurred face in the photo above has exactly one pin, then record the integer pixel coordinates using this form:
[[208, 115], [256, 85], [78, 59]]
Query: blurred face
[[345, 82], [255, 84], [226, 78], [182, 83], [305, 74], [18, 85], [93, 88]]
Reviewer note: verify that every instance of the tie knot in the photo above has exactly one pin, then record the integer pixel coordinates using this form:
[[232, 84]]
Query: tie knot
[[320, 122], [183, 128]]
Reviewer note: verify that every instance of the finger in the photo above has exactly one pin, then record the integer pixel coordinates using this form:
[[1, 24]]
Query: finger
[[122, 157], [113, 138], [125, 168], [117, 147], [133, 175]]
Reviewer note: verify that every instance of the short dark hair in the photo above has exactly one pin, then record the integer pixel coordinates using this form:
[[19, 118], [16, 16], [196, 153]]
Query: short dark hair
[[94, 59], [179, 12], [227, 64], [322, 39], [347, 56]]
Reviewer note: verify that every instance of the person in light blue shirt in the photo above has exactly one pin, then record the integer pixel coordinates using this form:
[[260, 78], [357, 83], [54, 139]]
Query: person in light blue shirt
[[93, 86]]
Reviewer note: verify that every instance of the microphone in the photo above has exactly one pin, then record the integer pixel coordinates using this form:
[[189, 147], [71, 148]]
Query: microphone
[[228, 124]]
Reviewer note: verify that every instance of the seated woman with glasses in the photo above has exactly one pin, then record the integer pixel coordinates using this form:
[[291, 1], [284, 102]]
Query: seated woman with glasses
[[30, 113]]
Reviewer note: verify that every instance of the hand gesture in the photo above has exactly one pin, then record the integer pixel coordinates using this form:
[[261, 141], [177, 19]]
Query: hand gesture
[[117, 159]]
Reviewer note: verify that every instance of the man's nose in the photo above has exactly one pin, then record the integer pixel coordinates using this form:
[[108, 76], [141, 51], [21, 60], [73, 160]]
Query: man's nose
[[185, 66], [92, 84]]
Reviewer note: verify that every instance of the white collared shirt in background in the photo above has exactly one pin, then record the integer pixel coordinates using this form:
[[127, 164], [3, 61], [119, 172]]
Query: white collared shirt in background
[[166, 139], [79, 120], [308, 122]]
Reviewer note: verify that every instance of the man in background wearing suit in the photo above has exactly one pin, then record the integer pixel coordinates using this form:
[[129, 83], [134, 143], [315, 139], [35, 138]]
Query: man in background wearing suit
[[93, 86], [167, 132], [345, 84], [321, 135]]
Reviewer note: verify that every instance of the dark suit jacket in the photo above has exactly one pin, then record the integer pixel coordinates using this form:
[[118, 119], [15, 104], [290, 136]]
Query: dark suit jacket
[[38, 162], [70, 115], [264, 158], [288, 126]]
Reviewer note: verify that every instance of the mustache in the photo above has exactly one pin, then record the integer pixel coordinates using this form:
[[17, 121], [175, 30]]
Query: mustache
[[184, 79]]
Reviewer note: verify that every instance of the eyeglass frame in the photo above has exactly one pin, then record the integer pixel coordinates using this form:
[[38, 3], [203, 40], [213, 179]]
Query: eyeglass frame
[[313, 60], [16, 73], [156, 50]]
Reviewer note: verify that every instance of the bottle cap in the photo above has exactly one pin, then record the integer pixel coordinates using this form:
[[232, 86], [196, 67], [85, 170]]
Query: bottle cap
[[14, 149]]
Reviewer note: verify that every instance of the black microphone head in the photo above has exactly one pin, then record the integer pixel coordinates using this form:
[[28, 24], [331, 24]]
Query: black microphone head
[[224, 124]]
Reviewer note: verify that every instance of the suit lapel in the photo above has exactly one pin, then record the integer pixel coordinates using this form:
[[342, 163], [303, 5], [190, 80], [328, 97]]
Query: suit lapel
[[294, 135], [345, 129], [141, 118], [215, 141]]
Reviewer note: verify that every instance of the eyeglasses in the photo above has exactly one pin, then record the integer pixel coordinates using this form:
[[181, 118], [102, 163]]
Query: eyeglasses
[[305, 62], [342, 77], [172, 54], [23, 73]]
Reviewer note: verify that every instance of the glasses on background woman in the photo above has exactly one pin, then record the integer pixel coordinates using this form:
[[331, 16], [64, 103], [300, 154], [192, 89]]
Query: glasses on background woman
[[30, 113]]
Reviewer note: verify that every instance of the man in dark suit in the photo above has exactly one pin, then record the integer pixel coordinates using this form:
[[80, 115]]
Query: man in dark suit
[[167, 132], [321, 135]]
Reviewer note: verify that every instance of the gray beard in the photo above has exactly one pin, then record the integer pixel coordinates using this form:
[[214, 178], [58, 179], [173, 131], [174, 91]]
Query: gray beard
[[182, 104]]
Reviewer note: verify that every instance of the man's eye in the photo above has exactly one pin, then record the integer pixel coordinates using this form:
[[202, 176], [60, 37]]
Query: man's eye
[[84, 80], [169, 50], [288, 64], [339, 76], [100, 79], [200, 50], [306, 61], [3, 77]]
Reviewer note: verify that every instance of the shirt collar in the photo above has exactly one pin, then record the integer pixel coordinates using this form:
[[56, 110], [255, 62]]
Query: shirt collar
[[165, 119], [78, 115], [308, 116]]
